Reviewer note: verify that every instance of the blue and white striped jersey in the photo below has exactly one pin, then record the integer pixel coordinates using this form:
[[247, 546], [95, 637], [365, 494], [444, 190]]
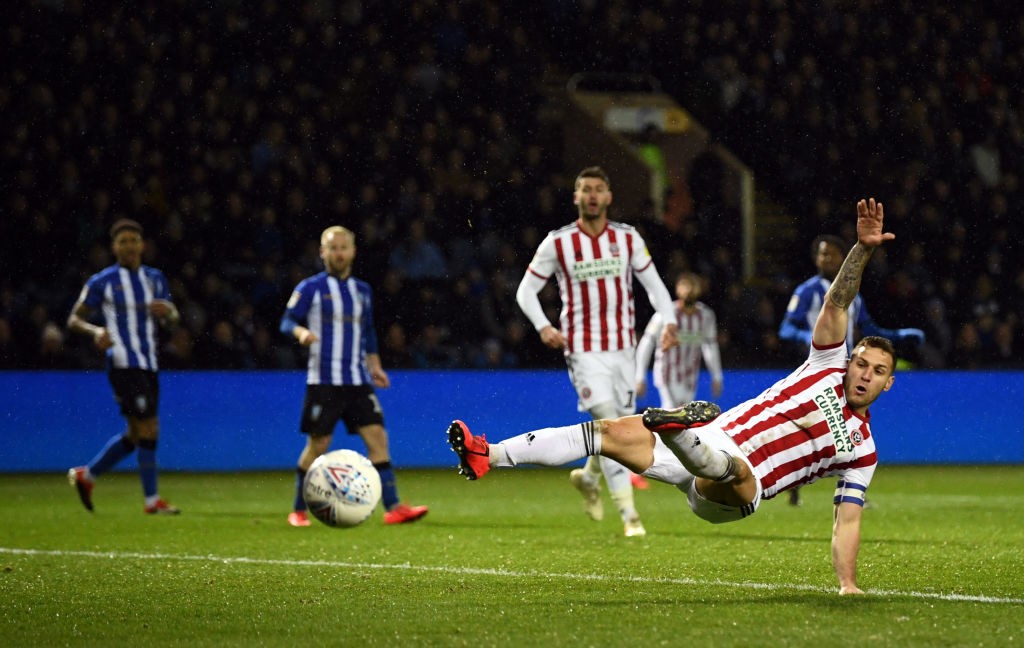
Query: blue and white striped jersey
[[805, 304], [123, 296], [340, 314]]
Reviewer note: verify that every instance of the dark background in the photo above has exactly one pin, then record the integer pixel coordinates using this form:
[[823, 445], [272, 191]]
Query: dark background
[[236, 131]]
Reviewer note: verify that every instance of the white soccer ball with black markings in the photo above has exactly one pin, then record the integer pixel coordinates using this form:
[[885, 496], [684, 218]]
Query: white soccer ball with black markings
[[342, 488]]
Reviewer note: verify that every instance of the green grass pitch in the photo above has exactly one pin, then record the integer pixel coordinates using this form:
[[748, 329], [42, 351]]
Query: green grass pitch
[[507, 561]]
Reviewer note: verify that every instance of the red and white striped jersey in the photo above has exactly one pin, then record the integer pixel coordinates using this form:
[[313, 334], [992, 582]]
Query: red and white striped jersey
[[595, 281], [801, 429], [677, 369]]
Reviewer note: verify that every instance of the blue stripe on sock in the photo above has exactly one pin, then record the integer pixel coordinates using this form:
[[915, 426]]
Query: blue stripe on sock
[[147, 467], [300, 502], [389, 492], [117, 448]]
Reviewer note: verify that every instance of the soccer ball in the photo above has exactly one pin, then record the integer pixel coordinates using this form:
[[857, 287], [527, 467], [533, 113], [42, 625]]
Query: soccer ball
[[341, 488]]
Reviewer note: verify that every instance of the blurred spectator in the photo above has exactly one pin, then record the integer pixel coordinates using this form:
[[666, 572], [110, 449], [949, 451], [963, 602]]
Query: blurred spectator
[[968, 350], [51, 349], [220, 349], [177, 352], [418, 257], [9, 356], [1005, 353], [492, 356], [935, 351], [395, 352], [432, 349]]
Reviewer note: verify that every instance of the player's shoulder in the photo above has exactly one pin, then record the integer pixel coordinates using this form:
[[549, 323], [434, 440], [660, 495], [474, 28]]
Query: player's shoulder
[[811, 284], [312, 281], [829, 355], [150, 271], [568, 228], [361, 285], [621, 227], [106, 274], [561, 234]]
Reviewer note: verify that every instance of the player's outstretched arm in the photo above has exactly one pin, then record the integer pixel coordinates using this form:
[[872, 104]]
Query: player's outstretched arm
[[830, 328], [846, 545]]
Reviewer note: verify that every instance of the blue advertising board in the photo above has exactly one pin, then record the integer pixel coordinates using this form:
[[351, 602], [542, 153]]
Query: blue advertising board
[[225, 421]]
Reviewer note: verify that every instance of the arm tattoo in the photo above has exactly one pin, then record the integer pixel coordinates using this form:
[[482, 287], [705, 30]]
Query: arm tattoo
[[846, 284]]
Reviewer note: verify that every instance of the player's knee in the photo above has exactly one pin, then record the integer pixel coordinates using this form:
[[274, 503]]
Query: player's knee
[[375, 434], [627, 431], [143, 429], [319, 444]]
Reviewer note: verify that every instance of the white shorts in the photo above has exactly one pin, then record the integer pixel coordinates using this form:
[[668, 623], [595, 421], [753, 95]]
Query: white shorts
[[716, 513], [675, 395], [667, 468], [604, 377]]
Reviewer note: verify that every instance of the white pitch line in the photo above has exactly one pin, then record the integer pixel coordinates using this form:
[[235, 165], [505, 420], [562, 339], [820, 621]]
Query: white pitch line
[[473, 571]]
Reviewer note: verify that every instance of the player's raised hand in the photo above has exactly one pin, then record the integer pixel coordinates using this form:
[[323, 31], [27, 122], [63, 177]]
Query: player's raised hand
[[870, 215]]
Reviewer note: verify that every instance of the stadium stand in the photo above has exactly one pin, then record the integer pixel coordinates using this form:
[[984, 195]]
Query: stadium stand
[[237, 131]]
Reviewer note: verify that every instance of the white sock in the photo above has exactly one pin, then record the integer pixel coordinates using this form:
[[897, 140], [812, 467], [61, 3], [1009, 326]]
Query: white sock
[[496, 455], [549, 446], [619, 487], [698, 457], [592, 470]]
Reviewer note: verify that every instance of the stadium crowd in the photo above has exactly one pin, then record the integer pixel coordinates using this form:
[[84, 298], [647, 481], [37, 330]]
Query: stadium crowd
[[236, 132]]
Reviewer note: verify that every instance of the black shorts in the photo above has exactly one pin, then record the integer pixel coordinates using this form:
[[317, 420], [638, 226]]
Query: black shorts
[[137, 391], [325, 405]]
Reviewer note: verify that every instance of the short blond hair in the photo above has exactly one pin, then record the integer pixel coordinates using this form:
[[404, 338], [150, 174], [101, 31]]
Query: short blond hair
[[695, 281], [336, 229]]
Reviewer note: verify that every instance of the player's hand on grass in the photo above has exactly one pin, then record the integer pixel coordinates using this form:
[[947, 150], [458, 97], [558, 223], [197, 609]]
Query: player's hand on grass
[[850, 589]]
